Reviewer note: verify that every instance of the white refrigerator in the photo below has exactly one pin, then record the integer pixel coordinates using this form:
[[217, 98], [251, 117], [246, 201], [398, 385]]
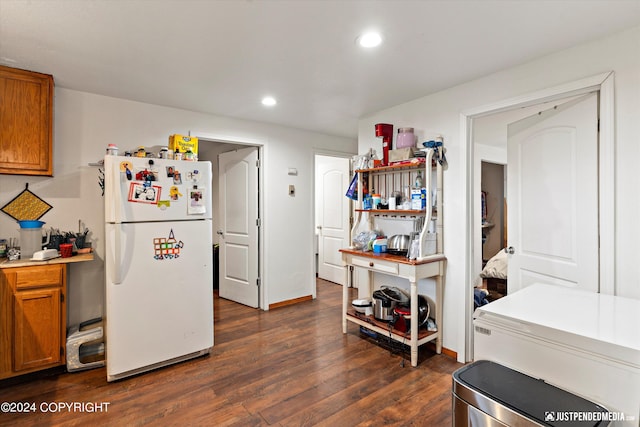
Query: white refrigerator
[[158, 263], [584, 342]]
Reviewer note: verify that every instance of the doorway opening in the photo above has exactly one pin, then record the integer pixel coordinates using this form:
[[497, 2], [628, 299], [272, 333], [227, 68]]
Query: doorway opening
[[332, 214], [470, 119], [212, 150], [490, 284]]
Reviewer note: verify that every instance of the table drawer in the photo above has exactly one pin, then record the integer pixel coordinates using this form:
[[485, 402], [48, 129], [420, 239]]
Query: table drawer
[[376, 265], [37, 276]]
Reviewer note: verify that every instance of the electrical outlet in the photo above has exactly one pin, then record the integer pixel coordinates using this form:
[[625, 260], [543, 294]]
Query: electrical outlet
[[292, 190]]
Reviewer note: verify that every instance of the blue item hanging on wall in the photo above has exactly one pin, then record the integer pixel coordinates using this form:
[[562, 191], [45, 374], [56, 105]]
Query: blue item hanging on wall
[[438, 151]]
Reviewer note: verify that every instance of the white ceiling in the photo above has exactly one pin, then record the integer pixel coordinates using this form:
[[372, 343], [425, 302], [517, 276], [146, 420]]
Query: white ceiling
[[222, 57]]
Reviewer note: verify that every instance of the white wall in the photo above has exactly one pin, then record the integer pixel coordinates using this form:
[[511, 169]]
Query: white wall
[[85, 123], [440, 113]]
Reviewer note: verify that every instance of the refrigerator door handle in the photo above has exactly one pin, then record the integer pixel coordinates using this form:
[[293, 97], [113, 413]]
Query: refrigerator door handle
[[115, 190], [117, 255]]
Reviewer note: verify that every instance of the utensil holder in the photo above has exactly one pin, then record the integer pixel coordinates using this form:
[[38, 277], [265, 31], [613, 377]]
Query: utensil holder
[[54, 241], [80, 238]]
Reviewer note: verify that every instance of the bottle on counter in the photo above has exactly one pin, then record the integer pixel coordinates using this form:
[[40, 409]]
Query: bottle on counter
[[367, 202], [419, 181], [112, 150], [3, 248], [177, 155], [392, 202], [376, 200]]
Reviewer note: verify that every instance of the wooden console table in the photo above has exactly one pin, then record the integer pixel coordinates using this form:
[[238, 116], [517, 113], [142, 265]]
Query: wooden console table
[[432, 266]]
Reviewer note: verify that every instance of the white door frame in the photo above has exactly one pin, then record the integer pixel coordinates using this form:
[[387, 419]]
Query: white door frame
[[604, 83]]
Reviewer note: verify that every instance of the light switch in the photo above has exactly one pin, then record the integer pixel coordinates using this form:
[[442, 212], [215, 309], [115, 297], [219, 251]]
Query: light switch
[[292, 190]]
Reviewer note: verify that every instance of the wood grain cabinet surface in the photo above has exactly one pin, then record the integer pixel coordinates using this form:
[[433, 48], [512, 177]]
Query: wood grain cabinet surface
[[26, 122], [32, 318]]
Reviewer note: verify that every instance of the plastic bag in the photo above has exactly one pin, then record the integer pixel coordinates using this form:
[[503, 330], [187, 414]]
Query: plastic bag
[[364, 240], [352, 191]]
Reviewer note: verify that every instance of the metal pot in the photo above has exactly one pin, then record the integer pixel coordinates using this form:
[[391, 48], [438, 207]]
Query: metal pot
[[383, 306], [398, 244], [385, 301]]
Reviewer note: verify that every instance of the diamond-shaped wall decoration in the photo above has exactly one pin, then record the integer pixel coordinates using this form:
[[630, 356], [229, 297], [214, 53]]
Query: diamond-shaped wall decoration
[[26, 206]]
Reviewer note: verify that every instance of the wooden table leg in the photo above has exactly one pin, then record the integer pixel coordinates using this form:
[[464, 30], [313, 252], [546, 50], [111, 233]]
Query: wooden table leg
[[439, 307], [414, 322], [345, 297]]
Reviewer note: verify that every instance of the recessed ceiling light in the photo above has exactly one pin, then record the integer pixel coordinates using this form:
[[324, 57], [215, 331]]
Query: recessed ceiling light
[[371, 39], [269, 101]]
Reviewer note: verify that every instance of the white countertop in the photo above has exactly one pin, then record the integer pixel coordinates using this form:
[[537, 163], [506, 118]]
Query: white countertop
[[29, 263]]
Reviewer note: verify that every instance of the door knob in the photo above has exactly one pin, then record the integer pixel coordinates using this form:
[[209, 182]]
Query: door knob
[[220, 232], [510, 250], [319, 227]]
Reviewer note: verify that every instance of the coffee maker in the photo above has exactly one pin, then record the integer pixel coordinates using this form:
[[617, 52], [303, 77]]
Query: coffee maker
[[385, 131]]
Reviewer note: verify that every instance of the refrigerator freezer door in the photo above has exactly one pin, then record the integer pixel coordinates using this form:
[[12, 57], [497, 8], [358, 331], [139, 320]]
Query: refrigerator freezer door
[[159, 299], [141, 189]]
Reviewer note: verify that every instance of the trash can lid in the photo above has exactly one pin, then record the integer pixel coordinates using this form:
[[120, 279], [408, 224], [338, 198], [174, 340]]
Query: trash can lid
[[526, 395]]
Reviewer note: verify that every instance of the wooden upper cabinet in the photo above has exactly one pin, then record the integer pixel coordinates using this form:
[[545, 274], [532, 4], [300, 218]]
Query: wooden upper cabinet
[[26, 122]]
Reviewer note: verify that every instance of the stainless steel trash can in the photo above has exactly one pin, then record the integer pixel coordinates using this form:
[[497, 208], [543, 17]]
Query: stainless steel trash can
[[488, 394]]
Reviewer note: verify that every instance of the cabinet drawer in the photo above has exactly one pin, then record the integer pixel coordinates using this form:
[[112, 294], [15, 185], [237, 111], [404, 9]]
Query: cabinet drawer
[[376, 265], [36, 276]]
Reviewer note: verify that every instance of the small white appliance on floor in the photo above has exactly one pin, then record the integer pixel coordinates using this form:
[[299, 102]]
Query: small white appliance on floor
[[584, 342], [158, 263], [85, 341]]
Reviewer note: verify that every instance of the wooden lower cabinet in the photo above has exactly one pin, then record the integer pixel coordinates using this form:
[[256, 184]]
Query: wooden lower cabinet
[[33, 318]]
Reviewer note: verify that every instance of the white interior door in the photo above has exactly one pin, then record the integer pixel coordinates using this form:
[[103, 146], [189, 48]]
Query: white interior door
[[553, 197], [332, 215], [238, 212]]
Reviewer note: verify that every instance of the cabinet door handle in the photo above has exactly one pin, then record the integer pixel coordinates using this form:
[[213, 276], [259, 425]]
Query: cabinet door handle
[[370, 264]]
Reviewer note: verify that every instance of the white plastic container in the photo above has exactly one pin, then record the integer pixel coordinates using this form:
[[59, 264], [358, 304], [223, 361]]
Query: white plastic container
[[392, 203], [418, 198], [30, 242], [112, 150], [379, 246], [163, 153], [430, 244]]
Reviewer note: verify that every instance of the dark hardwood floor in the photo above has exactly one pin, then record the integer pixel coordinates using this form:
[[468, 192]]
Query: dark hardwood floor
[[290, 366]]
